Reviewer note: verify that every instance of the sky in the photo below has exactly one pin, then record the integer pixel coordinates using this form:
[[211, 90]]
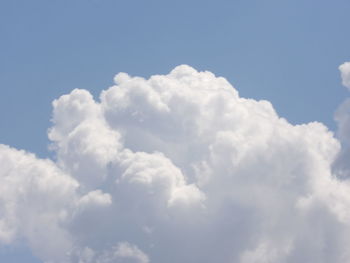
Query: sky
[[286, 52], [283, 55]]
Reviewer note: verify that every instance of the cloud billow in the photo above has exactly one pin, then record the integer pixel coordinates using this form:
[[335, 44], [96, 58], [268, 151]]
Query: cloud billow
[[178, 168]]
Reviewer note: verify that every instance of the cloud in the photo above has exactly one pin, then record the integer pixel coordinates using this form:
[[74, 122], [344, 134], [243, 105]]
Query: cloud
[[178, 168], [345, 74], [123, 252], [341, 166]]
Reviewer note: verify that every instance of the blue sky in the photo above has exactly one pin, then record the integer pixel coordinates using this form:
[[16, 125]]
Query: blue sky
[[287, 52]]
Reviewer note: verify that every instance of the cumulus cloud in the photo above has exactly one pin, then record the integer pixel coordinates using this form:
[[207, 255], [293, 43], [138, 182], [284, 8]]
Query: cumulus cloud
[[178, 168]]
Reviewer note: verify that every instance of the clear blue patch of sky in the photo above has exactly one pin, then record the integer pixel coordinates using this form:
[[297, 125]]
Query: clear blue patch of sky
[[285, 51]]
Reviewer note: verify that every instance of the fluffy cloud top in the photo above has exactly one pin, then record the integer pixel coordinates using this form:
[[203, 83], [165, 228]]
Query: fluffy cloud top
[[178, 168]]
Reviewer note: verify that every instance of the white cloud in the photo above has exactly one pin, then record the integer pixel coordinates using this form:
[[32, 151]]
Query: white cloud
[[345, 74], [35, 197], [124, 252], [177, 168]]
